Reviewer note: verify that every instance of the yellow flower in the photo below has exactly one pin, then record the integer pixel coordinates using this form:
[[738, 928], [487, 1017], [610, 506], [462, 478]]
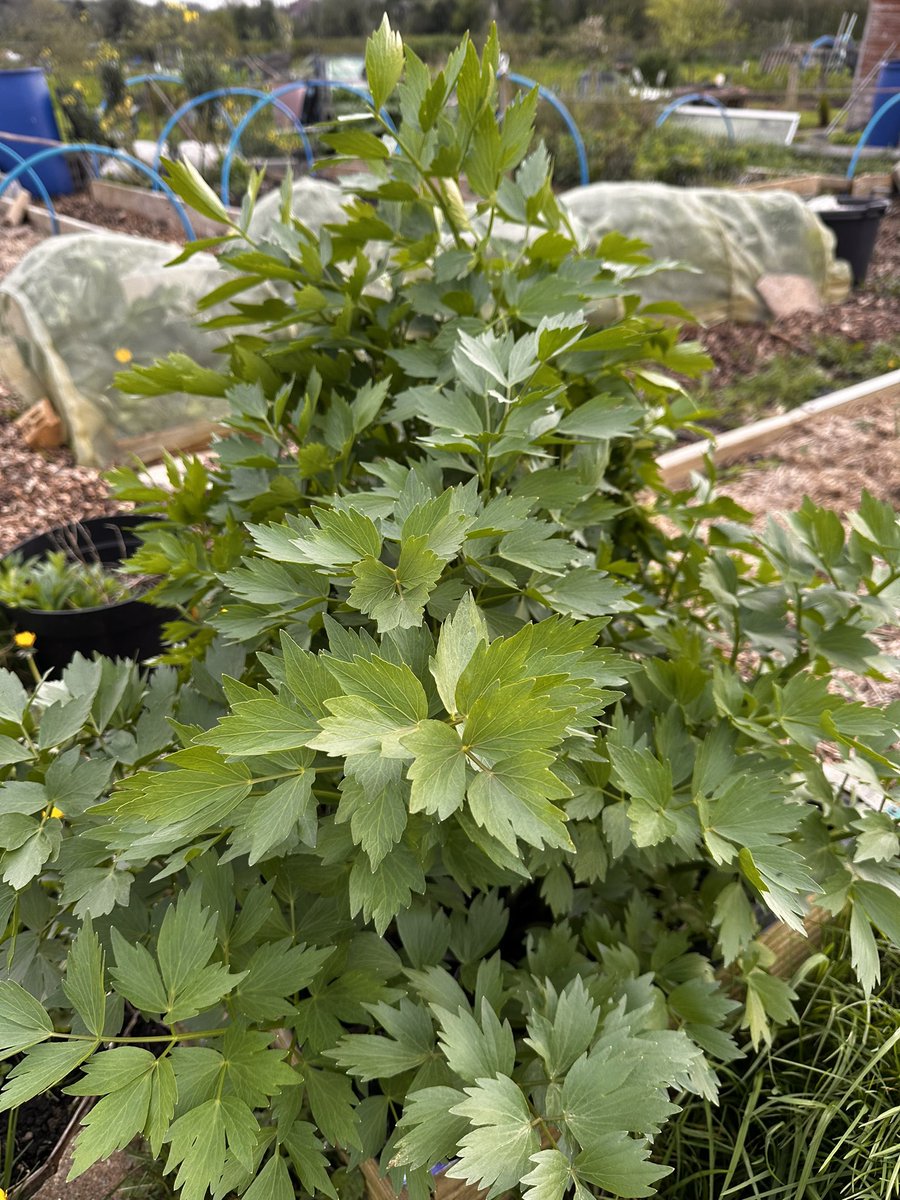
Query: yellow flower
[[123, 355], [59, 814], [25, 640]]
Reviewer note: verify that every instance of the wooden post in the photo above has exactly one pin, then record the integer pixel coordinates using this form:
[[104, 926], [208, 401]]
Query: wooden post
[[793, 87]]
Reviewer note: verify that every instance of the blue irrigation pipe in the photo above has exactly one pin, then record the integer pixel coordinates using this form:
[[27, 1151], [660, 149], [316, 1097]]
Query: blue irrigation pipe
[[273, 98], [217, 94], [574, 131], [39, 183], [867, 133], [702, 98], [106, 152]]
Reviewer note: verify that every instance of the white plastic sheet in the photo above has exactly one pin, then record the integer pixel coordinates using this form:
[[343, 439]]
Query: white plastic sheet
[[80, 308], [727, 240]]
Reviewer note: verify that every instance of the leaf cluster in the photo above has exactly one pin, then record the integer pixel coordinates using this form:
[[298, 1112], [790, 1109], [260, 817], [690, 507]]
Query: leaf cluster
[[489, 767]]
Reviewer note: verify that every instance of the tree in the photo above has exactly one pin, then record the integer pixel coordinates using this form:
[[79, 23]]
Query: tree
[[687, 27], [117, 18]]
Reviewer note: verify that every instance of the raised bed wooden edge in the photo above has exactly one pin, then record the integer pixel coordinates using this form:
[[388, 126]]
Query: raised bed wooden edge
[[676, 465]]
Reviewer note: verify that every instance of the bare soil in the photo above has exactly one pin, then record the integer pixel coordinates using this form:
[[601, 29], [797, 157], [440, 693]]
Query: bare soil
[[118, 220]]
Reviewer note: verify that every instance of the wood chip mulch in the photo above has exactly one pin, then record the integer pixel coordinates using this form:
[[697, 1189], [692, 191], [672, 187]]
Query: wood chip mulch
[[831, 461], [38, 489]]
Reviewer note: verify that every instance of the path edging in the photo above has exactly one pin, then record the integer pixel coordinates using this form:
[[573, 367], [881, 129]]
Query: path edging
[[675, 466]]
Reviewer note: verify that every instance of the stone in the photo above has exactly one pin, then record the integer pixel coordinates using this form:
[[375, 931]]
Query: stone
[[787, 294]]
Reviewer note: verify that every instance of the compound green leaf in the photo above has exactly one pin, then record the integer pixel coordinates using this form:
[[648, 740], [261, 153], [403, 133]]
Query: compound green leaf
[[438, 772], [384, 62], [264, 822], [460, 633], [549, 1178], [122, 1113], [430, 1130], [23, 1021], [495, 1154], [42, 1069], [260, 727], [84, 984], [512, 800], [377, 815], [379, 893], [273, 1182], [474, 1050], [275, 971], [620, 1165], [395, 597]]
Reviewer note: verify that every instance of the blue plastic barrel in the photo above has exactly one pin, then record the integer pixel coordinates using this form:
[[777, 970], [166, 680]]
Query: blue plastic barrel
[[26, 108], [887, 131]]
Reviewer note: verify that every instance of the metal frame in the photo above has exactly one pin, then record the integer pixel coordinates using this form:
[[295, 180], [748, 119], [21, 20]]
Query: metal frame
[[554, 100], [106, 152], [41, 186], [273, 97], [867, 133], [217, 94]]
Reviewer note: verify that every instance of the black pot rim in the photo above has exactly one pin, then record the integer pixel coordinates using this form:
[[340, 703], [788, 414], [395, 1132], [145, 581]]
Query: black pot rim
[[129, 520]]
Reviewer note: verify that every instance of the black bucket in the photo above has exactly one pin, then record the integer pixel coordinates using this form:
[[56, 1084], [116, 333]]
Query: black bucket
[[854, 221], [126, 629]]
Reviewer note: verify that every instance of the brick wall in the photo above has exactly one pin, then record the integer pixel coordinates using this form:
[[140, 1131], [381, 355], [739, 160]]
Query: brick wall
[[881, 32]]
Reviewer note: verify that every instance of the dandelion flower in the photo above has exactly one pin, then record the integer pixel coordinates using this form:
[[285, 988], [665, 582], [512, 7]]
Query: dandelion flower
[[123, 355], [25, 640]]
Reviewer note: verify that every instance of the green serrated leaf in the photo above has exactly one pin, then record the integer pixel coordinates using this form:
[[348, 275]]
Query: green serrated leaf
[[42, 1069], [495, 1154], [23, 1021], [84, 984]]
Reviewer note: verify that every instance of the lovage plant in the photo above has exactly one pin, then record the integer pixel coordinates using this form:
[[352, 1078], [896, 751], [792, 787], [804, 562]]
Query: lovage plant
[[468, 880]]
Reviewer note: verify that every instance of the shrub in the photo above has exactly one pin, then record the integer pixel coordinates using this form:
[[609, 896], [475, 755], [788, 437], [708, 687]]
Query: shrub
[[612, 128], [515, 768], [683, 158], [655, 63]]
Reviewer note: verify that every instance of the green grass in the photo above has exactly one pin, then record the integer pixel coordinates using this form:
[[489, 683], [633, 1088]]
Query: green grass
[[789, 380], [816, 1117]]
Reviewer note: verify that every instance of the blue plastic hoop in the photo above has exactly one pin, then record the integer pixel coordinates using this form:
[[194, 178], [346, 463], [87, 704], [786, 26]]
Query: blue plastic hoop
[[216, 94], [273, 98], [106, 152], [867, 133], [41, 188], [555, 102], [703, 98]]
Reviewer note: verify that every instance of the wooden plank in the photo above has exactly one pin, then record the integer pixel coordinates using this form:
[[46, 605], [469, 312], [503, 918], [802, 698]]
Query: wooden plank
[[39, 220], [155, 206], [149, 447], [801, 185], [676, 465]]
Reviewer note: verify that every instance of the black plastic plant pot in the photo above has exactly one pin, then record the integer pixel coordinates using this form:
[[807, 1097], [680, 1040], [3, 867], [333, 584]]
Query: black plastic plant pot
[[126, 629], [855, 220]]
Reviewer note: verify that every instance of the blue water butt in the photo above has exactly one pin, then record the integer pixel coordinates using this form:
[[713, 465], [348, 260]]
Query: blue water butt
[[887, 130], [26, 108]]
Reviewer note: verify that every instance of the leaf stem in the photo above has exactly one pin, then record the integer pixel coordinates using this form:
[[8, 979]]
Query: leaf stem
[[142, 1041]]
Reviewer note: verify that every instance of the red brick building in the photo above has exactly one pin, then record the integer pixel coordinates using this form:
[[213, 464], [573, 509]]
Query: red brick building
[[881, 40]]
